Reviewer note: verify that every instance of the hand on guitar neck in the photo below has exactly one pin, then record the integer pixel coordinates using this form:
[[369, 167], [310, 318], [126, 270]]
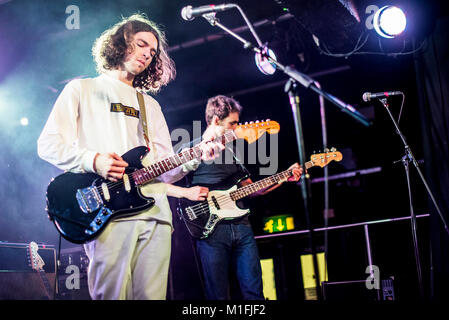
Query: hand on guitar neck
[[210, 149], [112, 166], [296, 172], [211, 146]]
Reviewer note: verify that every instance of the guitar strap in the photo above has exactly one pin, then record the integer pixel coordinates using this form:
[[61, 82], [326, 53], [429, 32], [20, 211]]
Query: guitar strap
[[143, 118], [238, 162]]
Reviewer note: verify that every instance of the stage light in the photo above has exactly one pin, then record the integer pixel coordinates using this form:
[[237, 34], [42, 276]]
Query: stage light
[[24, 121], [389, 21], [264, 65]]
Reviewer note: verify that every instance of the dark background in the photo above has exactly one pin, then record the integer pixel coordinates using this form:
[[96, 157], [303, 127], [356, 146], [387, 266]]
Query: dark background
[[40, 55]]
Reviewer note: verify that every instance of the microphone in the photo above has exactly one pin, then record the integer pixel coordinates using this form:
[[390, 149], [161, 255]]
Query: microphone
[[189, 13], [368, 95]]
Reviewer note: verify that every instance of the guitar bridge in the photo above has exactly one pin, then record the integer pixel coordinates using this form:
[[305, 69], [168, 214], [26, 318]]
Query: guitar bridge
[[89, 199], [191, 213]]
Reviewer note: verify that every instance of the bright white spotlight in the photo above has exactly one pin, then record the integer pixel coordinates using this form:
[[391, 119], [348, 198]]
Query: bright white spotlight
[[389, 21], [24, 121]]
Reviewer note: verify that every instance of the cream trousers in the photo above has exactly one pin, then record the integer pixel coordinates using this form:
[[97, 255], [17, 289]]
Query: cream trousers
[[130, 260]]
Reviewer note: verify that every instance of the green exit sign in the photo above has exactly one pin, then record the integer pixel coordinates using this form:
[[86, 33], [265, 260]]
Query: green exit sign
[[279, 223]]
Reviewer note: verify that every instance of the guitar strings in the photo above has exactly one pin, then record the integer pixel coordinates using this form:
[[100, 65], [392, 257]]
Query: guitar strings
[[111, 185], [283, 174], [184, 155], [226, 198]]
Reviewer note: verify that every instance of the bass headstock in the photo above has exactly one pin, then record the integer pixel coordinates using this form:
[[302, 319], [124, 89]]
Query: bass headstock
[[323, 159]]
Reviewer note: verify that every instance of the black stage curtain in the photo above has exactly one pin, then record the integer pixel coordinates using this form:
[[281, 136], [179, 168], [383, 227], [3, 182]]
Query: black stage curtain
[[432, 70]]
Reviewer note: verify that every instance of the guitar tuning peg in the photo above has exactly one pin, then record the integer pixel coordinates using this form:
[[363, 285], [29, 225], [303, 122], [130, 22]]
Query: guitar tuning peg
[[257, 121], [268, 120], [326, 150], [246, 122], [251, 122], [333, 149]]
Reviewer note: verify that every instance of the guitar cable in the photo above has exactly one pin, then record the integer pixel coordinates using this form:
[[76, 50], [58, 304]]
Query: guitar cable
[[192, 241]]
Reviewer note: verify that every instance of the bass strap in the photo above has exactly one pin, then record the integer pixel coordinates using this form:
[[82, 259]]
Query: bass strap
[[143, 118]]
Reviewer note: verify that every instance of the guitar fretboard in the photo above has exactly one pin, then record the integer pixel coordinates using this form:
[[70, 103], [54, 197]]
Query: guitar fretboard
[[145, 175], [46, 283], [264, 183]]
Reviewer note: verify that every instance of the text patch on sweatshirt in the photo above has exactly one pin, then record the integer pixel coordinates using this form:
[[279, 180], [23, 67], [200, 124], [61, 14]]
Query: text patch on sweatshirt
[[128, 111]]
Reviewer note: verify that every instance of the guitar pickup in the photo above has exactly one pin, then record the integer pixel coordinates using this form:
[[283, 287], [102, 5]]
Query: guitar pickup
[[126, 183], [89, 199], [215, 201]]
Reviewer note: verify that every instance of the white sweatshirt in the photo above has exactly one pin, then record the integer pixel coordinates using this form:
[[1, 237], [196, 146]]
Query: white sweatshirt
[[99, 115]]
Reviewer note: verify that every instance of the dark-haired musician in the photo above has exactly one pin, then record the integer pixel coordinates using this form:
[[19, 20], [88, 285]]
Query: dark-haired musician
[[231, 245]]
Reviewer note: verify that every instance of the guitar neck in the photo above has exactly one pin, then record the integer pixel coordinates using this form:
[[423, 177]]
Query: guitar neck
[[264, 183], [145, 175], [46, 283]]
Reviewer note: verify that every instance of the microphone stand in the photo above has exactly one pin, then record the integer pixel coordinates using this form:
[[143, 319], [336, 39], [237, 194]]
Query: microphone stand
[[326, 180], [292, 89], [406, 159], [295, 77]]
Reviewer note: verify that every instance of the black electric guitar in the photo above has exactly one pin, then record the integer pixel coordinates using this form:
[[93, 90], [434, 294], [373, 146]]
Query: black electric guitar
[[82, 204], [201, 217], [37, 263]]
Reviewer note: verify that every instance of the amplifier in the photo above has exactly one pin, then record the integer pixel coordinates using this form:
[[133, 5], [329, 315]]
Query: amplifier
[[73, 274], [74, 256], [18, 278]]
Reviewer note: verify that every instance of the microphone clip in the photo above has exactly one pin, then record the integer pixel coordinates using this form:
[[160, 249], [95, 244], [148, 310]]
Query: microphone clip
[[211, 18]]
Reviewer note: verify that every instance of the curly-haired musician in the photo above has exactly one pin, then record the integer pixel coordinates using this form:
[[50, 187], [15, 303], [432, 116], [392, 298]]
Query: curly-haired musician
[[93, 121]]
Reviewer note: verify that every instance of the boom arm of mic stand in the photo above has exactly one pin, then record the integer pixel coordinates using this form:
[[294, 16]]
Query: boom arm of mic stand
[[309, 83], [250, 26], [301, 78]]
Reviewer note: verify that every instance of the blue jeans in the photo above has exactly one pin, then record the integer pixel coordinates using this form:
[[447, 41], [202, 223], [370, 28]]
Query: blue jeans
[[231, 246]]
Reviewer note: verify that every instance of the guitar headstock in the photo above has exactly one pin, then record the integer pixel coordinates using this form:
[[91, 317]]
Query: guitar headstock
[[323, 159], [254, 130], [34, 259]]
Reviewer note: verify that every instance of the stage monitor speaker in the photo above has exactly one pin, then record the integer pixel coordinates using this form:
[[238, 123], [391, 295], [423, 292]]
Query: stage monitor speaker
[[18, 280], [349, 291]]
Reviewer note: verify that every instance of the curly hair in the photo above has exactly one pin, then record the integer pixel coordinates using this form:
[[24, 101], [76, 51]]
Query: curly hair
[[110, 48], [221, 106]]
